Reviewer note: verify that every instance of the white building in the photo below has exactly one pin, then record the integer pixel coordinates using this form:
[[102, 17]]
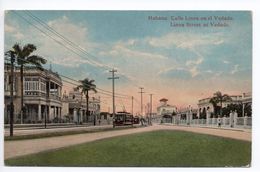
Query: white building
[[74, 107], [165, 108], [41, 95], [205, 106], [165, 111]]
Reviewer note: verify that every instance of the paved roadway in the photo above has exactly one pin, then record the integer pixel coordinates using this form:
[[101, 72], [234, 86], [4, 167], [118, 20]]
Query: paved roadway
[[25, 147]]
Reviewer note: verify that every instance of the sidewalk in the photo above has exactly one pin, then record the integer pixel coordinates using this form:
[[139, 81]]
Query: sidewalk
[[211, 126], [35, 131], [25, 147]]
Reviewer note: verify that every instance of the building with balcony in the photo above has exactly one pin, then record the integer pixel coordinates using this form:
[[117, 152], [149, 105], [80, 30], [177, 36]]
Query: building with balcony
[[41, 95], [74, 107]]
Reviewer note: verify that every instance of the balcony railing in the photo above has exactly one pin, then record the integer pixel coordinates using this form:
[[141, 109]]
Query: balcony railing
[[41, 95]]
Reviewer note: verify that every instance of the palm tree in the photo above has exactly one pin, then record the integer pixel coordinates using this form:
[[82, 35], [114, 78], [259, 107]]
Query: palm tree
[[86, 86], [218, 98], [23, 55]]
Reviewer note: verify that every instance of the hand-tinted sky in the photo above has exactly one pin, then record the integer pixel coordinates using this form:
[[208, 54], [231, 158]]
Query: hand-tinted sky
[[181, 64]]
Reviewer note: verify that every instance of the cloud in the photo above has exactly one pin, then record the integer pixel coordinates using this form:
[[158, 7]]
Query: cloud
[[120, 49], [235, 69], [186, 40], [194, 62], [71, 53], [131, 42], [193, 65], [186, 63], [194, 71], [177, 73], [193, 42], [166, 70], [209, 71], [226, 62], [17, 35], [190, 67], [127, 76], [53, 51], [76, 32], [9, 28]]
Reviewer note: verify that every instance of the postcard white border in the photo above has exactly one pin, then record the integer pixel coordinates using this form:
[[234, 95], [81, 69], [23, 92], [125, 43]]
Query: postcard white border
[[251, 5]]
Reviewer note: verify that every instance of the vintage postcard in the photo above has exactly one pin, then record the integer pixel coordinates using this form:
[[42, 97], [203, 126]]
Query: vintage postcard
[[127, 88]]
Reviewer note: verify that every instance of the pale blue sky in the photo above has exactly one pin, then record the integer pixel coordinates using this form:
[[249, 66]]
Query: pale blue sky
[[181, 64]]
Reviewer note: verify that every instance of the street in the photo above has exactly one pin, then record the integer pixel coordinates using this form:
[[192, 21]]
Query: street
[[25, 147]]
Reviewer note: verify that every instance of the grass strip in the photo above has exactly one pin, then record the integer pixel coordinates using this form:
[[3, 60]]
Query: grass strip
[[62, 133]]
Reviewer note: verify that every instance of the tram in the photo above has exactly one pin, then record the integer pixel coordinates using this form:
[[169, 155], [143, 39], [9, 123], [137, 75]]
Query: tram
[[125, 118]]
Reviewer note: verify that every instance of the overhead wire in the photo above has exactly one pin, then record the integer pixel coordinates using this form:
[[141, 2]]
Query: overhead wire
[[46, 26], [73, 47], [65, 47], [50, 36], [102, 91], [6, 58]]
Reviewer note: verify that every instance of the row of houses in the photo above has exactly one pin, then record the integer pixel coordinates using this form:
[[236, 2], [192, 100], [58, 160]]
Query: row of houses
[[205, 110], [43, 98]]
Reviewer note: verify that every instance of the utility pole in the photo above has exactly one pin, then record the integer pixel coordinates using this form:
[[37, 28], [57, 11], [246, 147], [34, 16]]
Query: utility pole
[[12, 96], [141, 92], [132, 105], [151, 105], [113, 88]]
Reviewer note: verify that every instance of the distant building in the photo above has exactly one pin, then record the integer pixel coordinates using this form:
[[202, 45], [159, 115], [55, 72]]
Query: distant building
[[74, 107], [165, 111], [204, 105], [42, 95], [246, 102], [165, 108]]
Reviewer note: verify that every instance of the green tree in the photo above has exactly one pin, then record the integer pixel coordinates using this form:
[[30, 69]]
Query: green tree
[[86, 86], [23, 56], [248, 109], [174, 113], [233, 107], [217, 101]]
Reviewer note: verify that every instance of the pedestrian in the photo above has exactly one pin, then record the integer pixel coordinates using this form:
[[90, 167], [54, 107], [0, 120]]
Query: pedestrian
[[99, 121], [142, 121]]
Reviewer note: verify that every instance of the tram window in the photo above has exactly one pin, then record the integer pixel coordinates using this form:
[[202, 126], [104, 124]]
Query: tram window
[[119, 117]]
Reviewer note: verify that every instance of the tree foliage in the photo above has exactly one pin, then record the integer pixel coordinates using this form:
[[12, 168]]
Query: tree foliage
[[23, 57], [86, 86], [217, 101], [238, 108]]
